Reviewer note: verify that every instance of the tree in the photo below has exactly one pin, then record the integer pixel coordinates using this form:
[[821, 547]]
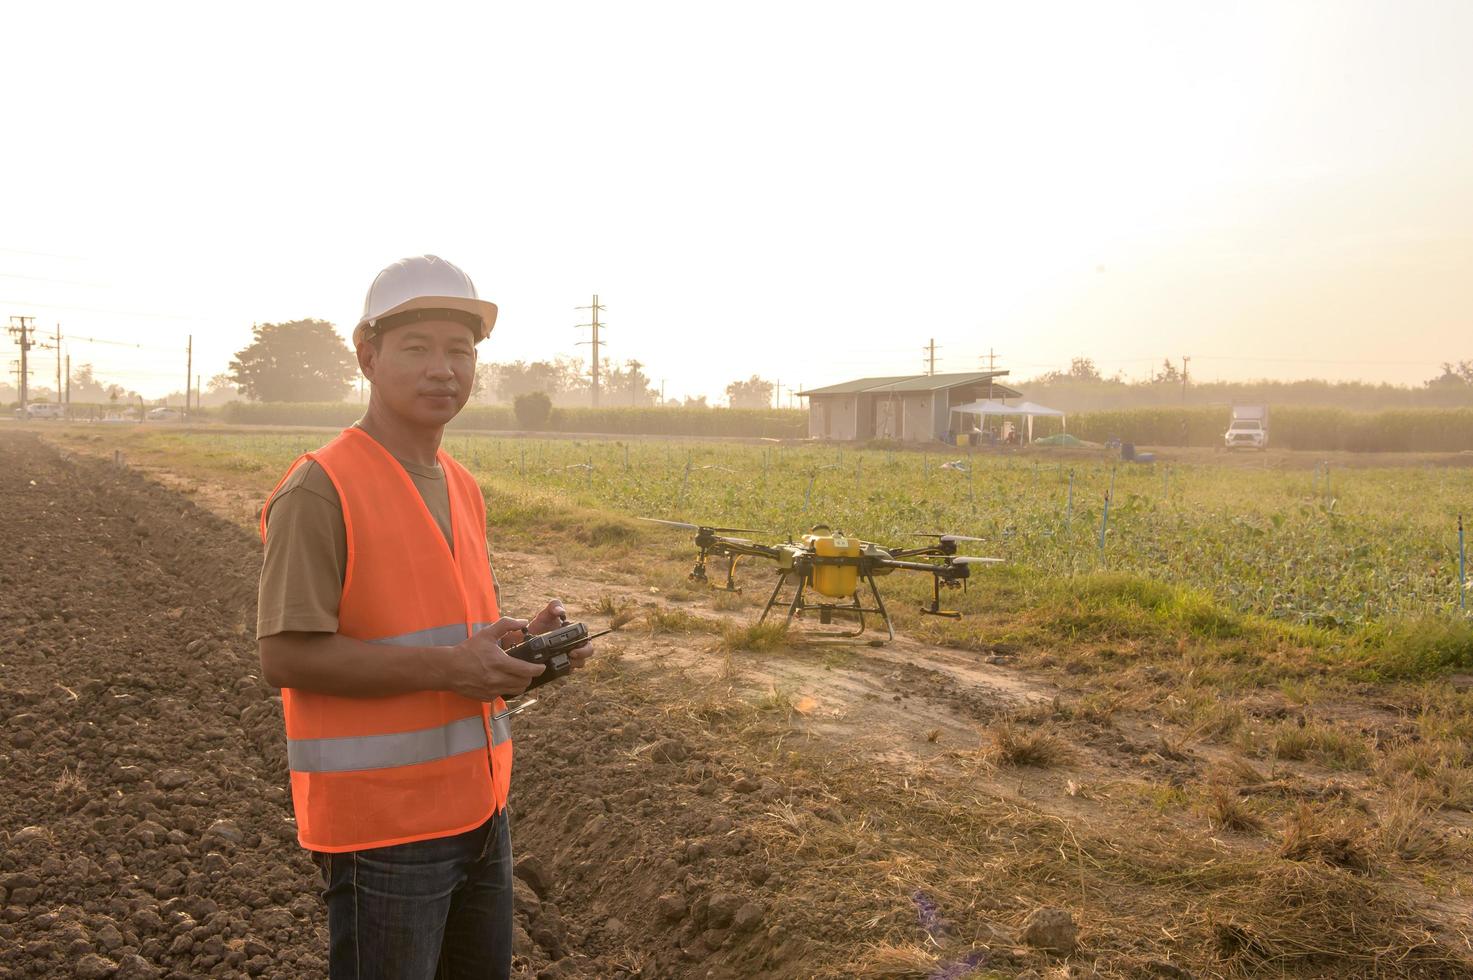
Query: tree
[[86, 387], [629, 386], [1453, 375], [1168, 374], [1083, 369], [532, 409], [1080, 369], [219, 390], [301, 361], [752, 393], [558, 378]]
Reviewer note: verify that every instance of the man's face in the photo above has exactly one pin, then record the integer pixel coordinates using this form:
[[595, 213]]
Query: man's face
[[424, 371]]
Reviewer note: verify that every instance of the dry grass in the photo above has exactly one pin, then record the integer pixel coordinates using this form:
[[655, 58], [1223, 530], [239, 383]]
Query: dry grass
[[659, 620], [1332, 747], [1311, 833], [1228, 811], [1013, 745], [1316, 920], [1408, 829], [724, 601], [1440, 767], [758, 638], [889, 962], [70, 782]]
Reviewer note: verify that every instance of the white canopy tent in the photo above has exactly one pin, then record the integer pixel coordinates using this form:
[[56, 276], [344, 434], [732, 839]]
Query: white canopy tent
[[1027, 410]]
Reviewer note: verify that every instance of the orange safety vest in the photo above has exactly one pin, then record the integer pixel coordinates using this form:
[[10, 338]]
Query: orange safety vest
[[370, 772]]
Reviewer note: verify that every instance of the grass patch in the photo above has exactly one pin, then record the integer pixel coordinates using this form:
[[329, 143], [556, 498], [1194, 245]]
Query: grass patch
[[758, 638], [1310, 833], [1329, 746], [1013, 745], [677, 621], [1414, 649], [1228, 811]]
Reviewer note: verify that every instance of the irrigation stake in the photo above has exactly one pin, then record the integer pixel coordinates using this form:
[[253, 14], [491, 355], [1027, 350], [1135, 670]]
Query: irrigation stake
[[1069, 508], [1104, 523], [808, 494], [1462, 570]]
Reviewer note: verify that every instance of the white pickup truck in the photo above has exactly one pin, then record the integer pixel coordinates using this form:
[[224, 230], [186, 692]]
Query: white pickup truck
[[1248, 429]]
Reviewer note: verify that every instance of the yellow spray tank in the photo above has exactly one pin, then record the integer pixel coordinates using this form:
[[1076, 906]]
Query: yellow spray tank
[[834, 581]]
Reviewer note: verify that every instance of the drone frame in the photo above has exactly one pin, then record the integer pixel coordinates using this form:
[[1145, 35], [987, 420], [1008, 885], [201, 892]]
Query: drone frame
[[800, 565]]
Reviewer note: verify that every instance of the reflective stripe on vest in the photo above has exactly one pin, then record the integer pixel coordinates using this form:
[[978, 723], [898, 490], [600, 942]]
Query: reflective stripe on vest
[[435, 636], [398, 749]]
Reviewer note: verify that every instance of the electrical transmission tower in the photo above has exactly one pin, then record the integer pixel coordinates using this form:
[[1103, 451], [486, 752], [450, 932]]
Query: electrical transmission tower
[[595, 343], [21, 328], [930, 350]]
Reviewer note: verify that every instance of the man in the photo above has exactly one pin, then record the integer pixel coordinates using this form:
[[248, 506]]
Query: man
[[379, 619]]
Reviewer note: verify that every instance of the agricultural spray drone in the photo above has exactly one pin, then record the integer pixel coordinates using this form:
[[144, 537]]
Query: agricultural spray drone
[[834, 566]]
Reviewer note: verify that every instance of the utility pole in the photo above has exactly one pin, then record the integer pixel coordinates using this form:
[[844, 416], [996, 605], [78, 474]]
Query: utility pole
[[20, 329], [1184, 360], [595, 343], [931, 351], [662, 392], [196, 391], [991, 359], [188, 373], [69, 384], [57, 338]]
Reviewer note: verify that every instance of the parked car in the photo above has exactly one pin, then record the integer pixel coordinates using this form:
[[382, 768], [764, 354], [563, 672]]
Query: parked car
[[42, 410], [163, 414], [1248, 429]]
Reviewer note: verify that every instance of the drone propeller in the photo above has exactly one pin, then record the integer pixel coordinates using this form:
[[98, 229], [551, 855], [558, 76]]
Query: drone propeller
[[969, 560], [945, 537], [684, 526]]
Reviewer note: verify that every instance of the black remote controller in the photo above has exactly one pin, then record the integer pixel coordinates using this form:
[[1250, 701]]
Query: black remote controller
[[551, 650]]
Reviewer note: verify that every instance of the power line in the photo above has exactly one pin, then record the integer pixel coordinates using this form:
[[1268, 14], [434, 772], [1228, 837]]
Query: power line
[[64, 282], [99, 309], [49, 255]]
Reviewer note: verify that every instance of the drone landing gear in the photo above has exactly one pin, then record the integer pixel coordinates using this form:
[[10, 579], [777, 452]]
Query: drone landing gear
[[698, 575], [828, 610], [934, 609]]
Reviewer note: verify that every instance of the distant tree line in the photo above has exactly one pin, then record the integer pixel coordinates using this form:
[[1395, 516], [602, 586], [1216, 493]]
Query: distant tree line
[[1084, 388], [307, 361]]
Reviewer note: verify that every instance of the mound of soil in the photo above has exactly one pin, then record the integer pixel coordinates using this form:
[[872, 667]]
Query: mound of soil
[[148, 825]]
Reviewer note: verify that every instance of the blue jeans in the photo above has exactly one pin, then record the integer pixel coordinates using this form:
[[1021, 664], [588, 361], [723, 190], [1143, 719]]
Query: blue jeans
[[431, 910]]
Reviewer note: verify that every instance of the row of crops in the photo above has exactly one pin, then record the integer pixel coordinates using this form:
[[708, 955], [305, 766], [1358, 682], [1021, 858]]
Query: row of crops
[[1294, 427], [1324, 546]]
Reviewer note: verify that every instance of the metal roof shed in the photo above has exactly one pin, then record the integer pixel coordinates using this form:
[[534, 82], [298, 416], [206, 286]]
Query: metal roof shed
[[914, 408]]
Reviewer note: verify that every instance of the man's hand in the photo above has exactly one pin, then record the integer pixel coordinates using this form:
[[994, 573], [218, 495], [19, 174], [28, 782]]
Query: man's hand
[[482, 672], [550, 618]]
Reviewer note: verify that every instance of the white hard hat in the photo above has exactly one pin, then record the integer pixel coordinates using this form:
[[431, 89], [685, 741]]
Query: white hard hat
[[423, 284]]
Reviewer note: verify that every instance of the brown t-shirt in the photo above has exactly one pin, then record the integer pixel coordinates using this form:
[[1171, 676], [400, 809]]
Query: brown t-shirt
[[307, 547]]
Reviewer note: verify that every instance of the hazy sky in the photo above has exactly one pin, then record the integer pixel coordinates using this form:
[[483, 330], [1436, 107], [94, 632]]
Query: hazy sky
[[805, 191]]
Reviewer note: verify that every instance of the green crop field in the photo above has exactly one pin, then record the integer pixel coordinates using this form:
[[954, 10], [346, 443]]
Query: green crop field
[[1341, 548]]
